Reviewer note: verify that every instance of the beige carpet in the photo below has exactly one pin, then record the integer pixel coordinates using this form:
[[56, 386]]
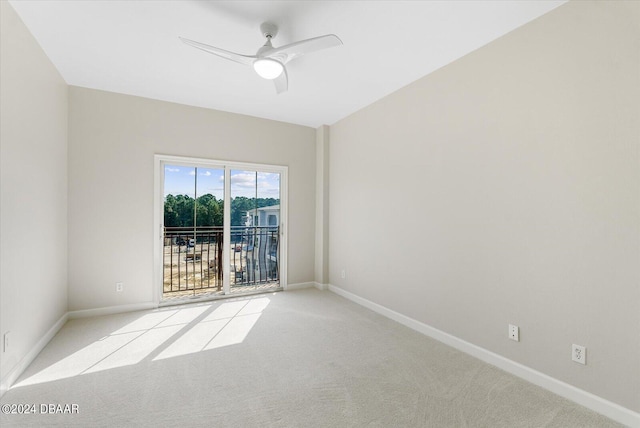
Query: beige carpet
[[292, 359]]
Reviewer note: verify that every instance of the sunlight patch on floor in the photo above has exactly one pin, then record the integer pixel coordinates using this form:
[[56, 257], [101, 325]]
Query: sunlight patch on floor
[[80, 361], [193, 340], [146, 321], [228, 325], [234, 332], [136, 350], [179, 330]]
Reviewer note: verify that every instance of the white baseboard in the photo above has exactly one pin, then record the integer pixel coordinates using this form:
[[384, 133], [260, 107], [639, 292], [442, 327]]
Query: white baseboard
[[299, 286], [307, 285], [598, 404], [111, 310], [22, 365]]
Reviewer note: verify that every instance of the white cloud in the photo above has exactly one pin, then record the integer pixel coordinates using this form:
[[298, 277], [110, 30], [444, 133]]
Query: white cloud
[[247, 183], [206, 173], [169, 169], [272, 177], [245, 180]]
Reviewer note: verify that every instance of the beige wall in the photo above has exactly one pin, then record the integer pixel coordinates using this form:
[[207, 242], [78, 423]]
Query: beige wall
[[505, 188], [33, 191], [112, 142]]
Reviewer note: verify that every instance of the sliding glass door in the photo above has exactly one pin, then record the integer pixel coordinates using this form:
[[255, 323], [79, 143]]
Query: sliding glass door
[[222, 227]]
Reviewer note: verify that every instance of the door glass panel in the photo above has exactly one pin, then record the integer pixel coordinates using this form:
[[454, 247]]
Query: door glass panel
[[255, 213], [268, 230], [193, 230]]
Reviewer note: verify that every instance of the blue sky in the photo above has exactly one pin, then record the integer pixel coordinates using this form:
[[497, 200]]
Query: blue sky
[[180, 180]]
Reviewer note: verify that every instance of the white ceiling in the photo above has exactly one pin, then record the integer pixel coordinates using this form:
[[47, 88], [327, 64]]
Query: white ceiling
[[132, 47]]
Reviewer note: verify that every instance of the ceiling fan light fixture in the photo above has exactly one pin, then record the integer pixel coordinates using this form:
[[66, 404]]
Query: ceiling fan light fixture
[[268, 68], [269, 62]]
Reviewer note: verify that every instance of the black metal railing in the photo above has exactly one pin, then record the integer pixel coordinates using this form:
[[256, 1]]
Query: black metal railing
[[193, 257], [254, 256]]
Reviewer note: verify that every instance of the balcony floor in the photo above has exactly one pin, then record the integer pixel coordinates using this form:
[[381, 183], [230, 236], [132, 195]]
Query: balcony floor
[[212, 293]]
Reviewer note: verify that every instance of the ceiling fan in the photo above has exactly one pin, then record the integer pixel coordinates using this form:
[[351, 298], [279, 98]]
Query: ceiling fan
[[269, 62]]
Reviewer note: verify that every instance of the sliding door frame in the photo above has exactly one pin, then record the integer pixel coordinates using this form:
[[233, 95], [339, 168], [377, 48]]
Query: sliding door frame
[[158, 212]]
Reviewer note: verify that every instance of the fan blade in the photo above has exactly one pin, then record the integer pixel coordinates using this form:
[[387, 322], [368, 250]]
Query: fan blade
[[282, 82], [242, 59], [288, 52]]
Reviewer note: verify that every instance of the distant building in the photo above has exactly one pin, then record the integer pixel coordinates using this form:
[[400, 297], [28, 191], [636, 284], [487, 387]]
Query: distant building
[[265, 216], [262, 249]]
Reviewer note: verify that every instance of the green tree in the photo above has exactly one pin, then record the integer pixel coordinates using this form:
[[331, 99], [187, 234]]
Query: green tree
[[170, 211], [179, 210], [209, 211], [240, 205]]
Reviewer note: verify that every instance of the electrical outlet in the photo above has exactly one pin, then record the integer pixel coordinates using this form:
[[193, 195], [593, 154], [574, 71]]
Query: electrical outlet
[[343, 274], [579, 354], [514, 332], [119, 287], [5, 342]]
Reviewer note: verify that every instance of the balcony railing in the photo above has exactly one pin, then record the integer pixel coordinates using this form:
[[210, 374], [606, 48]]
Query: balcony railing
[[193, 258]]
